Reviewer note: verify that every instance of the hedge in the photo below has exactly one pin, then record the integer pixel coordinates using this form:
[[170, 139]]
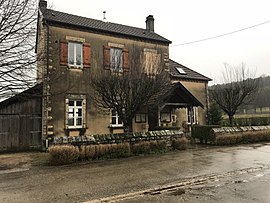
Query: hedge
[[202, 132]]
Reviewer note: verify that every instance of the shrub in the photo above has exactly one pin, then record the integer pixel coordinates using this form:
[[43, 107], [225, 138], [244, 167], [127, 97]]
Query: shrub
[[215, 114], [101, 150], [90, 152], [63, 154], [252, 121], [120, 150], [243, 137], [180, 143], [141, 148], [202, 132], [229, 139], [158, 146]]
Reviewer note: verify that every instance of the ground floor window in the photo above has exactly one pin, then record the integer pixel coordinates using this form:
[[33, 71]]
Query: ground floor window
[[192, 115], [140, 118], [75, 112], [165, 117], [115, 119]]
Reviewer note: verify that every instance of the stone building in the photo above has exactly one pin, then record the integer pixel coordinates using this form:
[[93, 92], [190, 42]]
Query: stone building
[[71, 49]]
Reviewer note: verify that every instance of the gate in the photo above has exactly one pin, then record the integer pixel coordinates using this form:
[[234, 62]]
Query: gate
[[20, 132]]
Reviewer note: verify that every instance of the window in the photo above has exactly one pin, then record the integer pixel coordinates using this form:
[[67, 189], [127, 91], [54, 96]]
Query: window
[[165, 116], [140, 118], [115, 119], [75, 58], [192, 115], [151, 61], [75, 112], [181, 71], [75, 54], [116, 59]]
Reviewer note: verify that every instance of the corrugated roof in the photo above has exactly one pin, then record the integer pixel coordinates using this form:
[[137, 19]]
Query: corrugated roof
[[190, 74], [66, 19]]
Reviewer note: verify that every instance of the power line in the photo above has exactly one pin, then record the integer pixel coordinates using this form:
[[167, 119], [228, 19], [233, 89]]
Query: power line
[[222, 35]]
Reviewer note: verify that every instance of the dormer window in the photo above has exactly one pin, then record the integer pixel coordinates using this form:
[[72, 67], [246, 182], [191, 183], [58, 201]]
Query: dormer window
[[180, 71]]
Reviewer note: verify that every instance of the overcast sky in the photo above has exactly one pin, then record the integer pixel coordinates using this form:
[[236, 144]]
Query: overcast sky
[[183, 21]]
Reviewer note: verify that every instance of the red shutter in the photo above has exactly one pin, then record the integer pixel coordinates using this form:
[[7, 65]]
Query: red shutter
[[125, 60], [63, 52], [86, 55], [106, 57]]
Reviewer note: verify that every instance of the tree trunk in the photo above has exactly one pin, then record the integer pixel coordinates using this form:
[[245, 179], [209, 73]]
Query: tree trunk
[[231, 120], [128, 127]]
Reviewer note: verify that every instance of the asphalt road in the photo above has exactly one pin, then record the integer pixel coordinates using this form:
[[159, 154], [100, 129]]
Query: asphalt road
[[219, 174]]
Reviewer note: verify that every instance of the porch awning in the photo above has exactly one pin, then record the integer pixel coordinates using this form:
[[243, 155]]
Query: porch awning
[[175, 95]]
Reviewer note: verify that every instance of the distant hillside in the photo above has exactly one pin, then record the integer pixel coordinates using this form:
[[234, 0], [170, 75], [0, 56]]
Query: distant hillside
[[262, 98], [260, 102]]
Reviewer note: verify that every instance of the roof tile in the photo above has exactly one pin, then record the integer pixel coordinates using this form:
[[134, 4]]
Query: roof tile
[[58, 17], [190, 74]]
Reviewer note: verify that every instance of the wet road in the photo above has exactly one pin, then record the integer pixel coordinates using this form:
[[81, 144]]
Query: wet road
[[220, 174]]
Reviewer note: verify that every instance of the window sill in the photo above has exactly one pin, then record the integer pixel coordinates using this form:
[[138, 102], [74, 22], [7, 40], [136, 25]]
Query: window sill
[[75, 128], [116, 126], [72, 67]]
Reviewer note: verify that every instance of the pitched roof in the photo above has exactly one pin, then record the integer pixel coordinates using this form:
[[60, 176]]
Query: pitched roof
[[61, 18], [33, 92], [188, 73], [174, 93]]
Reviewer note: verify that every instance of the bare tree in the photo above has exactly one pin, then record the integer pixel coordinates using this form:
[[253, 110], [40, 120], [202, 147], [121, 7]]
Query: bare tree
[[237, 89], [17, 43], [127, 92]]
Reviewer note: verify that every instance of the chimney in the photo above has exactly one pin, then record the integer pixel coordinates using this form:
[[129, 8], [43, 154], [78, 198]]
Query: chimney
[[150, 23], [42, 4]]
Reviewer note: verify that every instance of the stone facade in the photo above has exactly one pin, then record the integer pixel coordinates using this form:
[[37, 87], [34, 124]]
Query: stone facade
[[65, 84]]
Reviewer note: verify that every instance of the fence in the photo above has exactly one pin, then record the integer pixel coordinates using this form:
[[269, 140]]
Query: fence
[[20, 132]]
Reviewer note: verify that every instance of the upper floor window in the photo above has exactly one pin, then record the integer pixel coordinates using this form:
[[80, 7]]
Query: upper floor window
[[75, 57], [75, 54], [116, 58], [151, 61]]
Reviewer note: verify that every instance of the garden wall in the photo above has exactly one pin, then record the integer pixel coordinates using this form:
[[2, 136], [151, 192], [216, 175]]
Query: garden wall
[[162, 135], [237, 135]]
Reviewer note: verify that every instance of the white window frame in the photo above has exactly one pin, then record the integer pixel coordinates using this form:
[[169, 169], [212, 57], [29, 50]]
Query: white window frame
[[74, 65], [76, 108], [114, 57], [116, 124], [192, 114]]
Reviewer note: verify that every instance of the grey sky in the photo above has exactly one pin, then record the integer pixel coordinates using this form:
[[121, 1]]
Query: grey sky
[[185, 21]]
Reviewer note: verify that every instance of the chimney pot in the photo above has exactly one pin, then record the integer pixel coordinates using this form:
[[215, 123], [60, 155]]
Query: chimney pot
[[42, 4], [150, 23]]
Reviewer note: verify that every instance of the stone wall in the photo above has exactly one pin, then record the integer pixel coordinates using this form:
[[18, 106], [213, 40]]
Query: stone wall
[[167, 135]]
